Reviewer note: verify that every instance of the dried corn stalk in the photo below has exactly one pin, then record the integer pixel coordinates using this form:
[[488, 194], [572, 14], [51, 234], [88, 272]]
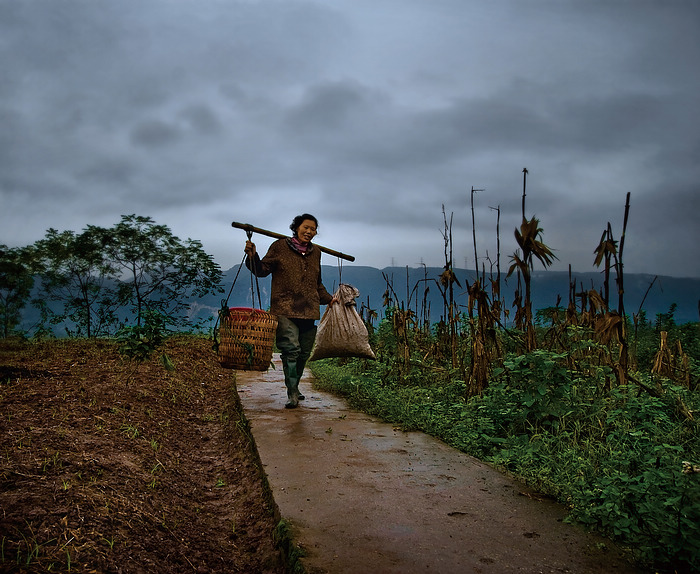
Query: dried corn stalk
[[663, 360]]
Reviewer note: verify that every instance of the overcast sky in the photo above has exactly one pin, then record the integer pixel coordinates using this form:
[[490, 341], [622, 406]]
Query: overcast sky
[[369, 114]]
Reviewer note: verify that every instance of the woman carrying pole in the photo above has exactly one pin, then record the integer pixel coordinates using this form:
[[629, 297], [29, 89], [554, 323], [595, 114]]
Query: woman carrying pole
[[296, 295]]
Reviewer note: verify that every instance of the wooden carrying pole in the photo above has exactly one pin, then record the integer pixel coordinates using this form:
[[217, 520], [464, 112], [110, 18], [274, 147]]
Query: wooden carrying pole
[[249, 228]]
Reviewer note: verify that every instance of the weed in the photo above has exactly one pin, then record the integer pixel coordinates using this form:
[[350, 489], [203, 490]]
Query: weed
[[140, 341], [109, 541], [29, 546], [129, 430]]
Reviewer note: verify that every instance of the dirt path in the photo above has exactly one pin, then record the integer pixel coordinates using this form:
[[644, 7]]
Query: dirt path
[[364, 497]]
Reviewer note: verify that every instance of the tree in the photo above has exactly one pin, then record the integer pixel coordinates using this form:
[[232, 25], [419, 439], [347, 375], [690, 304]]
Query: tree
[[77, 274], [16, 282], [666, 321], [158, 271]]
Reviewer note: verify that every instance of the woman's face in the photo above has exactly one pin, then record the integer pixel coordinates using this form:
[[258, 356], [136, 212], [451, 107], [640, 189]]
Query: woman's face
[[306, 231]]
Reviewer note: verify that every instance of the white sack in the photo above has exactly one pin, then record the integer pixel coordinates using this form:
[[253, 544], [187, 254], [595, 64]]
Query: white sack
[[341, 331]]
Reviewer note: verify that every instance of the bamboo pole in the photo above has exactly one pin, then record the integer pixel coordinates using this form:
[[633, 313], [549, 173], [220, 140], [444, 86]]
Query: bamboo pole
[[251, 229]]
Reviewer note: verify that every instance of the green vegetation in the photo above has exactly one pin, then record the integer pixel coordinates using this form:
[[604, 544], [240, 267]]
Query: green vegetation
[[620, 448], [624, 461], [583, 403], [16, 282], [99, 281]]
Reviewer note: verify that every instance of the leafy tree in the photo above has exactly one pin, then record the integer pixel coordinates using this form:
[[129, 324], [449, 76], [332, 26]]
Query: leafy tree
[[76, 274], [158, 271], [16, 282], [666, 321], [550, 316]]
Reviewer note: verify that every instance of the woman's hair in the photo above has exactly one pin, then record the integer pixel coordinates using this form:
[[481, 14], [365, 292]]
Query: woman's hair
[[299, 219]]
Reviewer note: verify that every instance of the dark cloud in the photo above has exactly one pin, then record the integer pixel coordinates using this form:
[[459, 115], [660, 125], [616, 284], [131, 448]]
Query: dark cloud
[[154, 133], [115, 170], [201, 119], [371, 116]]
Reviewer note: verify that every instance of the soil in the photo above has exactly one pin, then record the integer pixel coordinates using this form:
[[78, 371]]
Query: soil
[[110, 465]]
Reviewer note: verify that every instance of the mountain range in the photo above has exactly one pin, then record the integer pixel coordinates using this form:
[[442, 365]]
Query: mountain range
[[653, 294]]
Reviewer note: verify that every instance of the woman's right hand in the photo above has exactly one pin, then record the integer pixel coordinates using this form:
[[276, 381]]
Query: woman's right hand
[[249, 248]]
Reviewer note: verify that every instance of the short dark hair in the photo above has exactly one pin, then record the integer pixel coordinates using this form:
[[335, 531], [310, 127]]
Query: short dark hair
[[299, 219]]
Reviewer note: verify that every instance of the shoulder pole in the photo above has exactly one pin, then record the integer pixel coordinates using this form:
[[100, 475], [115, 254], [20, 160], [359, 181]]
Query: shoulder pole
[[251, 229]]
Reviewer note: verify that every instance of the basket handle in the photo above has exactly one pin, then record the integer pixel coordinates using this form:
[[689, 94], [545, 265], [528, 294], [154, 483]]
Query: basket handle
[[224, 302]]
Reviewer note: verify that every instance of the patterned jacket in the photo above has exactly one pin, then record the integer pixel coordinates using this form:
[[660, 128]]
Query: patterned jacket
[[297, 290]]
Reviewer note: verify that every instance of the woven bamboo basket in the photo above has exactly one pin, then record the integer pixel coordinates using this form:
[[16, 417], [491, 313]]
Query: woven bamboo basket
[[247, 336]]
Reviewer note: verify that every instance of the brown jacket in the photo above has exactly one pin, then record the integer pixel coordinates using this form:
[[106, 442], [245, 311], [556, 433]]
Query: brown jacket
[[297, 290]]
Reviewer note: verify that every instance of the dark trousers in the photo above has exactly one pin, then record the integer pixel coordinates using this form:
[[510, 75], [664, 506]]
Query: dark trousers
[[295, 340]]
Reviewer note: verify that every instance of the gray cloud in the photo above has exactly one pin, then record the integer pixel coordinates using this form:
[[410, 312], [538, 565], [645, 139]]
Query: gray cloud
[[154, 133], [370, 115]]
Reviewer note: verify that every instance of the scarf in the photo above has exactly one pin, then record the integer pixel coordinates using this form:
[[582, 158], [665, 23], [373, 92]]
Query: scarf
[[298, 246]]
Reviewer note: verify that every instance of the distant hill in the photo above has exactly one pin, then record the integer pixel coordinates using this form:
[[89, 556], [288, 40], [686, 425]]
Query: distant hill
[[546, 287]]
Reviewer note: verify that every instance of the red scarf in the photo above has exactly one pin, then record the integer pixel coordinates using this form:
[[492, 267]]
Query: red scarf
[[299, 246]]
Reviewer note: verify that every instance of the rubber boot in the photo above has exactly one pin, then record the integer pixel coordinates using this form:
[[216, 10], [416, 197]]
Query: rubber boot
[[300, 369], [285, 369], [300, 372], [291, 380], [306, 342]]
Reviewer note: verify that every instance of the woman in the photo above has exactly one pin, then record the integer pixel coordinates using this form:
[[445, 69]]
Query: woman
[[296, 294]]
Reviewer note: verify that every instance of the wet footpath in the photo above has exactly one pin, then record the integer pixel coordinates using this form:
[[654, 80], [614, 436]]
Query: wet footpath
[[365, 497]]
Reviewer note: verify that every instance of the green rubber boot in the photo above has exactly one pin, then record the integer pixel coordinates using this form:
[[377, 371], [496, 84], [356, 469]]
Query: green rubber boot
[[291, 381], [300, 370], [285, 368]]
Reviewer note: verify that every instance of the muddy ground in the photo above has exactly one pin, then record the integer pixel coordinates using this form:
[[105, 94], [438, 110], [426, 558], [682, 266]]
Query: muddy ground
[[113, 466]]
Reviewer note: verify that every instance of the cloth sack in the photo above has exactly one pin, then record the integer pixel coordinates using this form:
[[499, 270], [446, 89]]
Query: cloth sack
[[341, 331]]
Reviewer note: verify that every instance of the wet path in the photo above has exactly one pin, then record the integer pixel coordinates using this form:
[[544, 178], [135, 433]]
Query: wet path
[[364, 497]]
